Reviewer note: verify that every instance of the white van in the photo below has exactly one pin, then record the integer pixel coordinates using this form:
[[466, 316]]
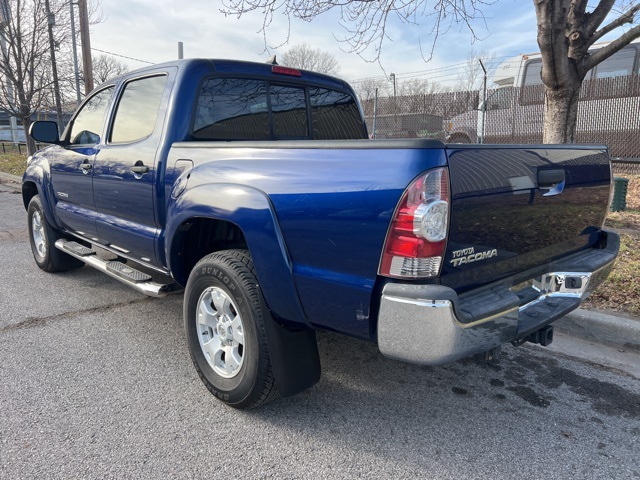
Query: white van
[[608, 112]]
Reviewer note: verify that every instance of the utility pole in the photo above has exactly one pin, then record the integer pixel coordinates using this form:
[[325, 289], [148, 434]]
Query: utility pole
[[75, 51], [87, 64], [51, 21], [5, 18]]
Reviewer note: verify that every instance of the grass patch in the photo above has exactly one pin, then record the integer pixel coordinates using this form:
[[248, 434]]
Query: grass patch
[[620, 291], [629, 219], [13, 162]]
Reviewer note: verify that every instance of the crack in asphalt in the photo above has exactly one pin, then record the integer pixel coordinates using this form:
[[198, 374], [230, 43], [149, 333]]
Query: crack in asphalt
[[14, 234], [30, 322]]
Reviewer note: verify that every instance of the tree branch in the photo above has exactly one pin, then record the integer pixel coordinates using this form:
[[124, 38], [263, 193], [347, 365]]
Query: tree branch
[[595, 18], [605, 52], [627, 17]]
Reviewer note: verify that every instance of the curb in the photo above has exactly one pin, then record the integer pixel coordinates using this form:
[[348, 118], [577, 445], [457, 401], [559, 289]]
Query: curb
[[601, 327], [11, 181]]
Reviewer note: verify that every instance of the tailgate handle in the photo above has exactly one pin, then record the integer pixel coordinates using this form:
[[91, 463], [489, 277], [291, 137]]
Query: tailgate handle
[[550, 178]]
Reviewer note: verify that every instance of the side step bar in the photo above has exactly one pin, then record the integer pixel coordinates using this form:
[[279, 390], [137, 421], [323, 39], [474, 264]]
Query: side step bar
[[136, 279]]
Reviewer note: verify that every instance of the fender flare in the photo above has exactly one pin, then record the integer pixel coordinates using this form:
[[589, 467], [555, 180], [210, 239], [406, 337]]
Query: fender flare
[[250, 210], [37, 172]]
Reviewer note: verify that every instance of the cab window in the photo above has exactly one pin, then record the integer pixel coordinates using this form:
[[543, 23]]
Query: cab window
[[289, 108], [334, 115], [87, 124], [137, 110]]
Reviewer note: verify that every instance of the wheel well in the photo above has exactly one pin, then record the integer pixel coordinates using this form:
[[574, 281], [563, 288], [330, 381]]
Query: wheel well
[[29, 190], [198, 237]]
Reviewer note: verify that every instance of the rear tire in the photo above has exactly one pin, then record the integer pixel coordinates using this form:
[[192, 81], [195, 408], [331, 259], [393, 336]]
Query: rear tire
[[42, 238], [224, 315]]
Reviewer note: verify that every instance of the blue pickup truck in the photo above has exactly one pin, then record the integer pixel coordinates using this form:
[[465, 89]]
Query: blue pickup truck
[[255, 189]]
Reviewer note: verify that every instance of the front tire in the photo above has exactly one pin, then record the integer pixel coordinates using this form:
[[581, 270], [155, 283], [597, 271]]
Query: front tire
[[224, 315], [42, 238]]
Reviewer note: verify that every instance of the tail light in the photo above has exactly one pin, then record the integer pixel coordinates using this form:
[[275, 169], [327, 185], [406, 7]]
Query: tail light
[[417, 237], [294, 72]]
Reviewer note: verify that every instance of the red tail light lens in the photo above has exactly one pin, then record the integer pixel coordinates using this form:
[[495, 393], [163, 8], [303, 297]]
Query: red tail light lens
[[417, 236]]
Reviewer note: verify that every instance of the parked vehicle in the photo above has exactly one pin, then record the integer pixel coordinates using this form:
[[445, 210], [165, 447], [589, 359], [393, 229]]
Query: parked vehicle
[[255, 188], [607, 112]]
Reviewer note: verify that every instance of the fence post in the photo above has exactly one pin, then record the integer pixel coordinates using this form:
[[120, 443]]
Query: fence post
[[483, 110], [375, 113]]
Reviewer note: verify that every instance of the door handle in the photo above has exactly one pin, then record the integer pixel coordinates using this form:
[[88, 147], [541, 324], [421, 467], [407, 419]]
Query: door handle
[[139, 168], [86, 166]]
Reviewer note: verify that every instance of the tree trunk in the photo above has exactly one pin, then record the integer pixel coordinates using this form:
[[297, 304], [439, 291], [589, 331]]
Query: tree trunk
[[31, 144], [561, 114]]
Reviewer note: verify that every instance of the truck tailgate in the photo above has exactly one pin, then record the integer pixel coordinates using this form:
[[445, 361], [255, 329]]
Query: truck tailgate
[[519, 207]]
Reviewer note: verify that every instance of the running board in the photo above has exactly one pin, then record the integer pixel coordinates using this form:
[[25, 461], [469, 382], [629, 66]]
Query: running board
[[136, 279]]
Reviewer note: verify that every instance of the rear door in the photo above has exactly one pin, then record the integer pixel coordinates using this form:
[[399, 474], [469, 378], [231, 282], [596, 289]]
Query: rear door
[[125, 169], [72, 166]]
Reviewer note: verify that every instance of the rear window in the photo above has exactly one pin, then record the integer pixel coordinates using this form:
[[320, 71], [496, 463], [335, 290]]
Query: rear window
[[334, 115], [232, 109], [251, 109]]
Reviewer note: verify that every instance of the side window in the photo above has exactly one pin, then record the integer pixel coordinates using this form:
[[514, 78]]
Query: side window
[[289, 108], [87, 124], [137, 109], [532, 92], [501, 99], [232, 109], [532, 73], [619, 64], [334, 115]]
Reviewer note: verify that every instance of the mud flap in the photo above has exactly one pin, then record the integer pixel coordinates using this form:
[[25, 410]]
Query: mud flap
[[294, 358]]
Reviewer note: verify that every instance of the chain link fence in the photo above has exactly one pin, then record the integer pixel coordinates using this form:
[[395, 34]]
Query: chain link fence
[[608, 113]]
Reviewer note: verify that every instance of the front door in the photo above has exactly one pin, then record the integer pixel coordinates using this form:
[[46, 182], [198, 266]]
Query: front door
[[72, 166]]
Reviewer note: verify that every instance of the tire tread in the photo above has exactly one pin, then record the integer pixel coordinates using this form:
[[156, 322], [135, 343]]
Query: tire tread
[[240, 262]]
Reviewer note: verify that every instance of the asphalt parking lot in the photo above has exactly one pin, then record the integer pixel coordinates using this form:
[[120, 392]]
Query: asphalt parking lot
[[97, 383]]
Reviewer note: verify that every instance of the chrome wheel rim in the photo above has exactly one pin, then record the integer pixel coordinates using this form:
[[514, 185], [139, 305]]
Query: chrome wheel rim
[[220, 332], [37, 232]]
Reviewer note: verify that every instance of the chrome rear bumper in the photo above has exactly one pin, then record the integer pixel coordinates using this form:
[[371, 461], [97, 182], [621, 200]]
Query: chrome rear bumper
[[432, 325]]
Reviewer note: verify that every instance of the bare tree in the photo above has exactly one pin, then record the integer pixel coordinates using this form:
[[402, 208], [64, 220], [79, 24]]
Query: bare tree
[[106, 67], [418, 86], [471, 76], [366, 88], [25, 78], [305, 57], [566, 31]]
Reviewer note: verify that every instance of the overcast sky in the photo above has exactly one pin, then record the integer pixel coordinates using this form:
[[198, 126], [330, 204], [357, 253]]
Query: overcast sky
[[151, 29]]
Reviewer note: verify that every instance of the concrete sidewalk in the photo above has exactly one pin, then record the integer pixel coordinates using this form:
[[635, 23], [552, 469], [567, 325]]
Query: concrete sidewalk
[[594, 326]]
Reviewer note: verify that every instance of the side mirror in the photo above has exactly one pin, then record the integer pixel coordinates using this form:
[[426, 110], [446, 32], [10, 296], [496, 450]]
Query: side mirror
[[44, 132]]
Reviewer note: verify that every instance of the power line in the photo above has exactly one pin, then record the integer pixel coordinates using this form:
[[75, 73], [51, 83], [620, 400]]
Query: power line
[[454, 69], [121, 56]]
